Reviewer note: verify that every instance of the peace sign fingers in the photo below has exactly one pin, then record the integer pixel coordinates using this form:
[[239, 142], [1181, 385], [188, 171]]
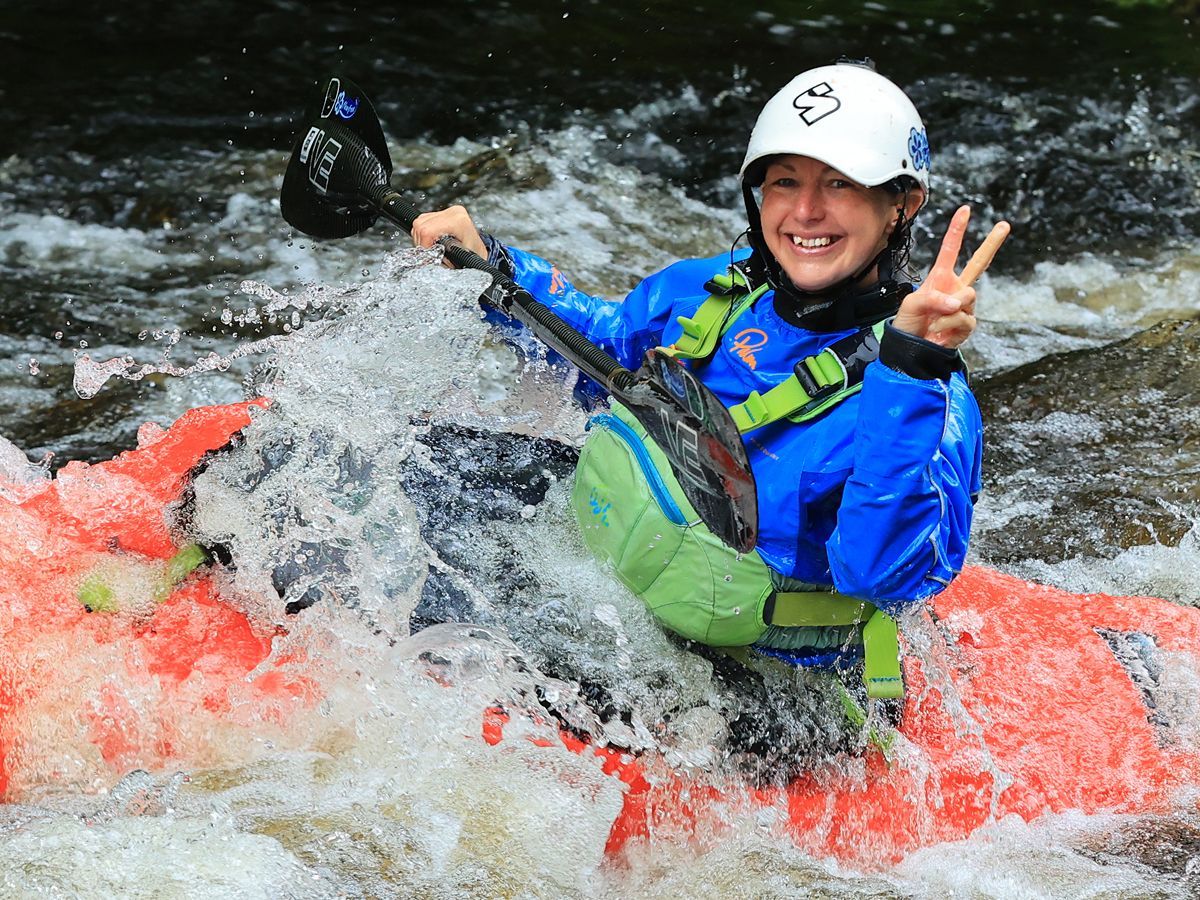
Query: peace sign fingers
[[942, 309], [947, 257], [982, 258]]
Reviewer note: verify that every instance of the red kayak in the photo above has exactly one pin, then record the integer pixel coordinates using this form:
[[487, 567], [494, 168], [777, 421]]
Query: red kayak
[[176, 660], [1028, 701], [1038, 701]]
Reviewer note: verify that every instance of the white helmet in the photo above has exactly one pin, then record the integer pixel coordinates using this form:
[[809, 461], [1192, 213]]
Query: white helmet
[[849, 117]]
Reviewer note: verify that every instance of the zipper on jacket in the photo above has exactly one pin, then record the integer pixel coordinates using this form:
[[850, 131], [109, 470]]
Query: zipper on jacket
[[654, 480]]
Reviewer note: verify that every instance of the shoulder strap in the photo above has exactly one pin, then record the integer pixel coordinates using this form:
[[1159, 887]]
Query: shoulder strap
[[817, 383], [729, 296]]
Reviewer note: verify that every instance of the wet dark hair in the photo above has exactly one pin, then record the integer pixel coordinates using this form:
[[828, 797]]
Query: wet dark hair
[[901, 241]]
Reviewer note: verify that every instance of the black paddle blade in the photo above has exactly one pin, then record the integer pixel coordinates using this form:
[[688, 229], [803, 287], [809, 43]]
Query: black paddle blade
[[704, 446], [339, 156]]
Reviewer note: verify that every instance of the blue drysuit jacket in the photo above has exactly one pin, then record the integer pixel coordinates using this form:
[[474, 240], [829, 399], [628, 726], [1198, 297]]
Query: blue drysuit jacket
[[874, 498]]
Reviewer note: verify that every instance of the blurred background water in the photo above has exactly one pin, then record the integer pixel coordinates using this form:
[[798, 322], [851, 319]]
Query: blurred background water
[[141, 150]]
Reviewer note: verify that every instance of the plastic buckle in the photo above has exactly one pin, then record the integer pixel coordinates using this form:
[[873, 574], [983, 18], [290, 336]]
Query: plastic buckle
[[500, 295], [815, 391], [720, 286]]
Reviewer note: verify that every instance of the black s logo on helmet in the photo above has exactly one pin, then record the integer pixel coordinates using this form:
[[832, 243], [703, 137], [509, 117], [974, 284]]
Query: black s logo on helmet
[[816, 103]]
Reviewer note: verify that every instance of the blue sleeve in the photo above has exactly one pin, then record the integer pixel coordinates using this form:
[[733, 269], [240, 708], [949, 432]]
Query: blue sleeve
[[905, 514], [626, 329]]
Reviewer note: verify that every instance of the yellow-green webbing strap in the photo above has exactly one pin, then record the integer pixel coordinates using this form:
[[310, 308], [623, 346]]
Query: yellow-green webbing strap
[[805, 608], [881, 641], [704, 327]]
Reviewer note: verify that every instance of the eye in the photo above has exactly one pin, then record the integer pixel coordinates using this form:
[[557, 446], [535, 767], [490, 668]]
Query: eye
[[784, 181], [841, 183]]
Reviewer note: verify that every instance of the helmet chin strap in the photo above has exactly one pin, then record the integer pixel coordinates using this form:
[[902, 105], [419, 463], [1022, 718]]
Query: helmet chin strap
[[842, 305]]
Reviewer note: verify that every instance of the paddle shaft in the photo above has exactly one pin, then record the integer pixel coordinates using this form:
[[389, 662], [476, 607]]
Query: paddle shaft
[[514, 300], [336, 185]]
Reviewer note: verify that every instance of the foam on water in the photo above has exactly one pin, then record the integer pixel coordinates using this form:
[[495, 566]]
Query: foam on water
[[397, 792], [1078, 304], [606, 225], [389, 791], [158, 857], [1153, 569], [1060, 856], [49, 241]]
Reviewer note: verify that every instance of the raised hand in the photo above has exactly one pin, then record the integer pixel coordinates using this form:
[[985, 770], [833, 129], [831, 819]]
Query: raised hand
[[942, 310]]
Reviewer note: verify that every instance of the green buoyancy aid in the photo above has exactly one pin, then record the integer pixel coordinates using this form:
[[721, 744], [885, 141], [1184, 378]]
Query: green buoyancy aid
[[634, 515]]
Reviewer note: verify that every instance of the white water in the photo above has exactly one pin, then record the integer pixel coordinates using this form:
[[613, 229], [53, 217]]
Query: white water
[[386, 789]]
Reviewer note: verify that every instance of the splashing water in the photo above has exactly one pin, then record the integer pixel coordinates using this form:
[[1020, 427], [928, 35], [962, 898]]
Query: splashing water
[[358, 487], [328, 505], [19, 478], [364, 500]]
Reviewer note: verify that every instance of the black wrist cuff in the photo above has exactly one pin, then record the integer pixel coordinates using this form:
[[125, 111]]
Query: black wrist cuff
[[497, 254], [917, 357]]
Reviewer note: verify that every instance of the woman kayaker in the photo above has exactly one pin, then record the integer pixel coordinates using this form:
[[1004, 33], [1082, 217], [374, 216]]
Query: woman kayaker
[[864, 438]]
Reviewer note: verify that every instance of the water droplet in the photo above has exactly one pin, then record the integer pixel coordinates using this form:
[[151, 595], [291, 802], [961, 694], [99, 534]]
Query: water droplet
[[729, 578], [58, 335]]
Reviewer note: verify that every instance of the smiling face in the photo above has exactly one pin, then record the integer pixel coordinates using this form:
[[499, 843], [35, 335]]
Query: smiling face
[[821, 226]]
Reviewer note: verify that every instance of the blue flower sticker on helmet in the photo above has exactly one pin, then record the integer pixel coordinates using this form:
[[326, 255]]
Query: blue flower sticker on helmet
[[918, 148]]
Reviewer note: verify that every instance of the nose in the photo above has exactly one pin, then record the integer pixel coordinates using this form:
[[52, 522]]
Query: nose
[[808, 204]]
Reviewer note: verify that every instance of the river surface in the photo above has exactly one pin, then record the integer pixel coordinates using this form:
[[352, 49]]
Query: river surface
[[141, 153]]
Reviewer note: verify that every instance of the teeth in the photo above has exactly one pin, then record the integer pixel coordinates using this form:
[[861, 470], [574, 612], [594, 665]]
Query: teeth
[[811, 242]]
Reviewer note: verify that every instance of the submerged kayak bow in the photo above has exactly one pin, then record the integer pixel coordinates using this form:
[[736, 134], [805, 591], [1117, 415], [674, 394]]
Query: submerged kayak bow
[[338, 183]]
